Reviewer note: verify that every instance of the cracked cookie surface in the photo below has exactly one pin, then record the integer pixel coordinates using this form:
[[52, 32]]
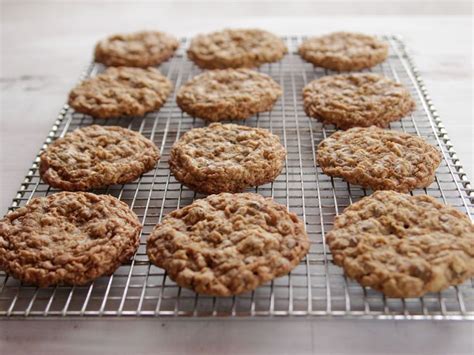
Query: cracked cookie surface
[[379, 159], [67, 238], [121, 92], [344, 51], [402, 245], [97, 156], [357, 100], [228, 244], [141, 49], [228, 94], [226, 158], [236, 48]]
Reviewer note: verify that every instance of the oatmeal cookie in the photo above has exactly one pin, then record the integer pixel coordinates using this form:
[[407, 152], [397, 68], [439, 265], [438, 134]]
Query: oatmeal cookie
[[67, 238], [344, 51], [226, 158], [228, 244], [97, 156], [379, 159], [228, 94], [236, 48], [357, 100], [402, 245], [140, 49], [121, 92]]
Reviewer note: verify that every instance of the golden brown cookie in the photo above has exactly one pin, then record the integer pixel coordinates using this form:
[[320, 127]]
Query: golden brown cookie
[[228, 244], [344, 51], [226, 158], [140, 49], [67, 238], [97, 156], [379, 159], [236, 48], [228, 94], [357, 100], [402, 245], [121, 92]]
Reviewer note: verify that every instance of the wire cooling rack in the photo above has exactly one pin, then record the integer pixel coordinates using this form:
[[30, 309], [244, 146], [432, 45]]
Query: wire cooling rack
[[316, 287]]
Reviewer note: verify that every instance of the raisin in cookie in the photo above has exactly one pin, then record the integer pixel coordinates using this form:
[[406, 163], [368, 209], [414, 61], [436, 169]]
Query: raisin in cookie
[[140, 49], [357, 100], [228, 244], [226, 158], [228, 94], [67, 238], [379, 159], [236, 48], [121, 92], [402, 245], [344, 51], [97, 156]]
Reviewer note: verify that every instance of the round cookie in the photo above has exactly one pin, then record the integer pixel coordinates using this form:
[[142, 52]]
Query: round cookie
[[67, 238], [379, 159], [97, 156], [344, 51], [228, 94], [357, 100], [140, 49], [228, 244], [226, 158], [402, 245], [236, 48], [121, 92]]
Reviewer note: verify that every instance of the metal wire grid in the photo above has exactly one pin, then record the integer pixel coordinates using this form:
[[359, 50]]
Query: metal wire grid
[[316, 287]]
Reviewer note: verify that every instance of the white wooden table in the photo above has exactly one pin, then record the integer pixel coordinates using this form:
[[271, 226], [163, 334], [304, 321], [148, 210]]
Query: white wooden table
[[46, 46]]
